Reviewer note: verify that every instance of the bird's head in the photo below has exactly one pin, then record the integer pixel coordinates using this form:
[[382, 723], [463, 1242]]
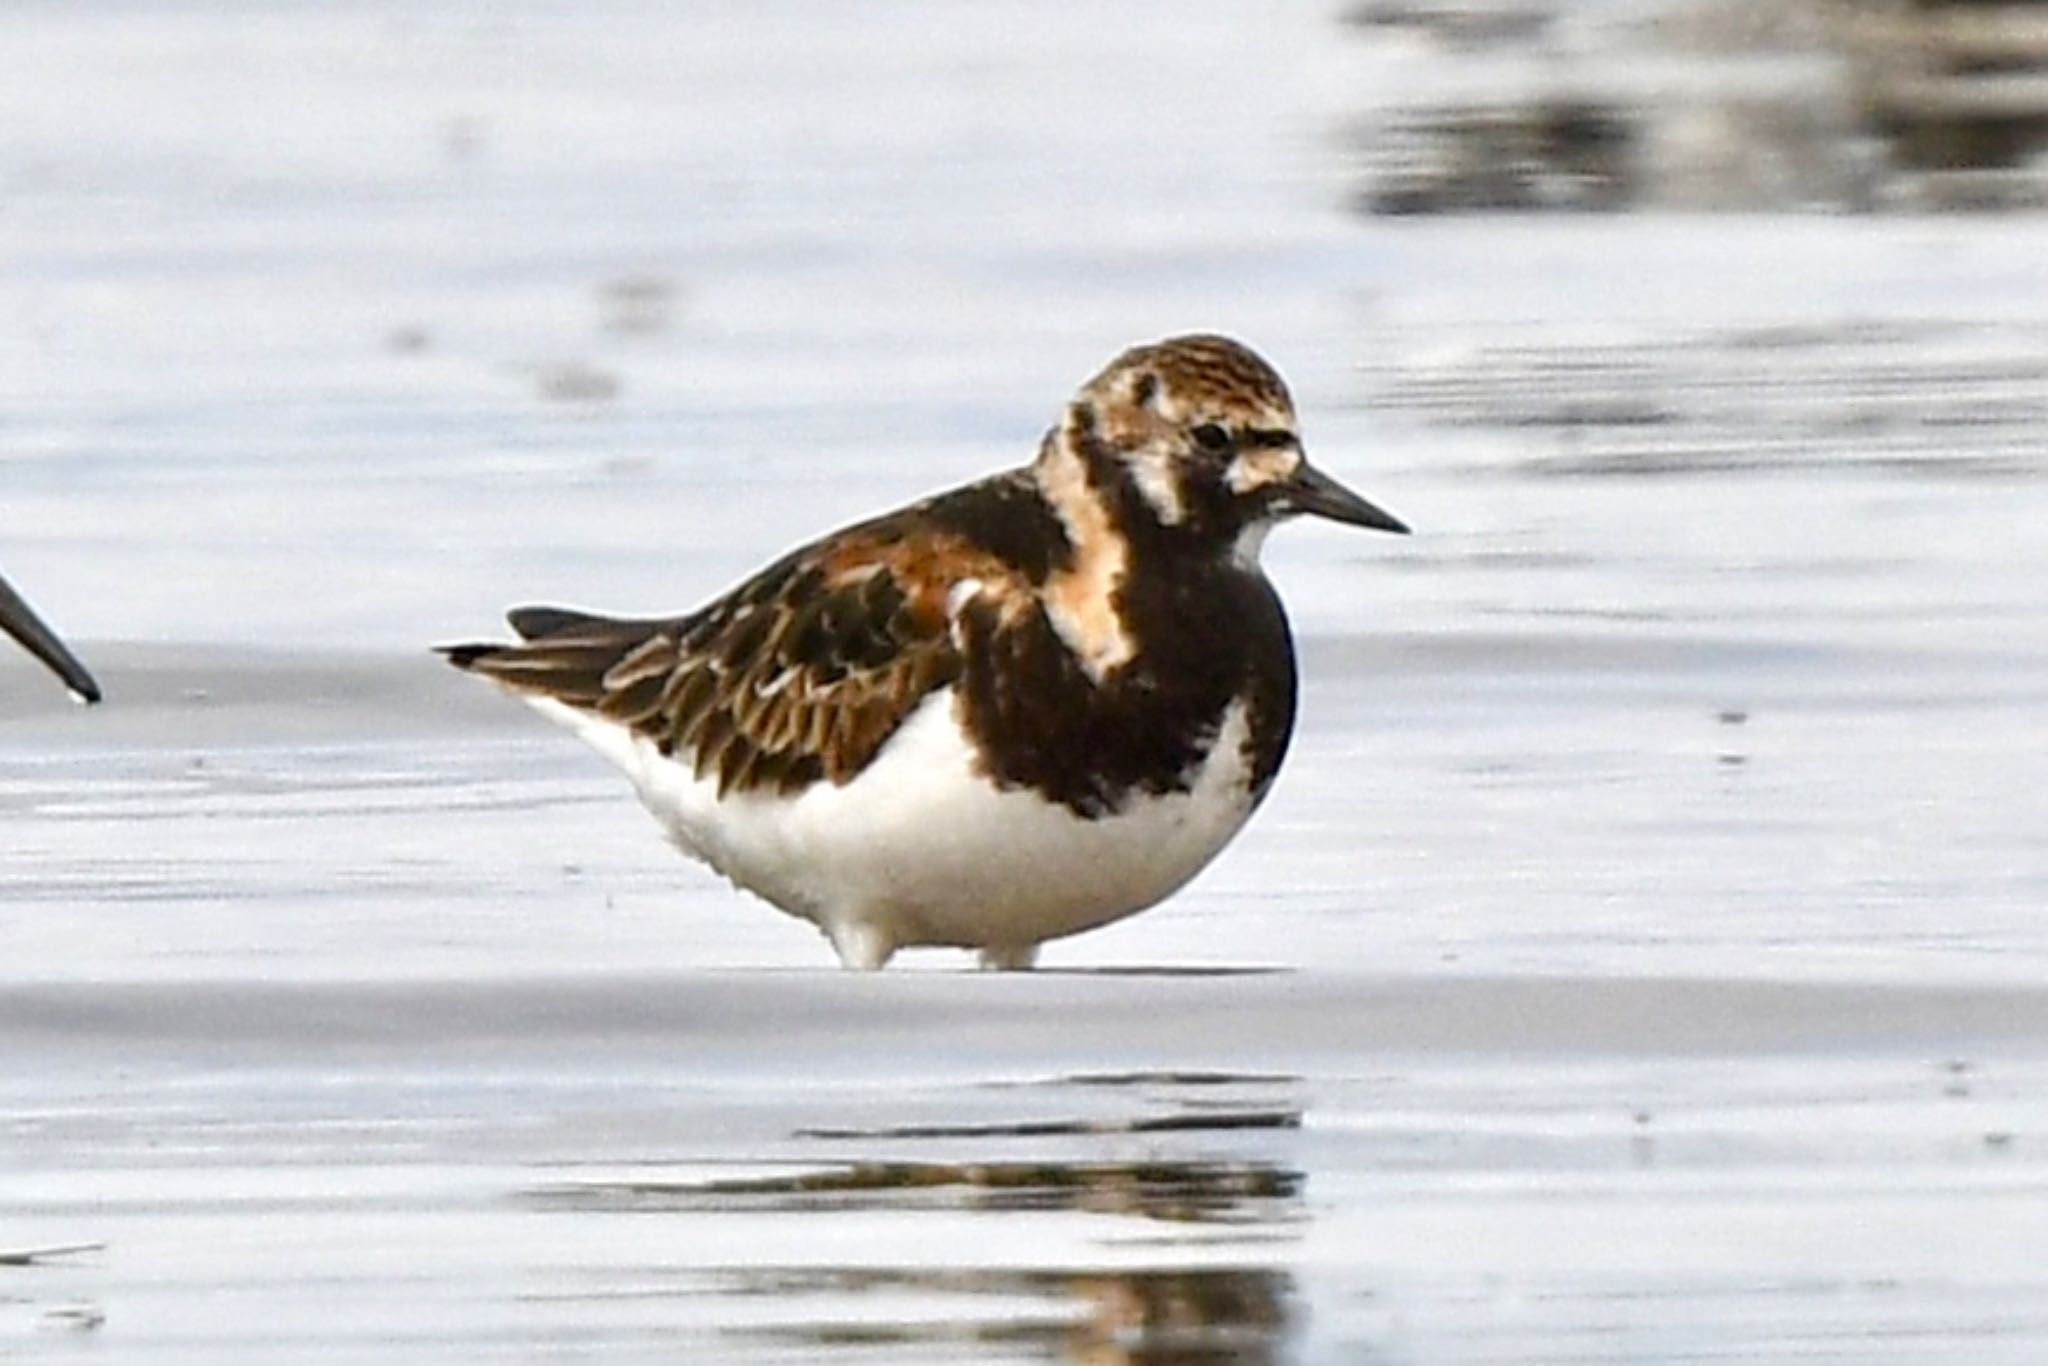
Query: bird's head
[[1193, 442]]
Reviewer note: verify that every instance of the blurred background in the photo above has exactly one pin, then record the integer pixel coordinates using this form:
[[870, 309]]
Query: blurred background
[[1655, 890], [347, 325]]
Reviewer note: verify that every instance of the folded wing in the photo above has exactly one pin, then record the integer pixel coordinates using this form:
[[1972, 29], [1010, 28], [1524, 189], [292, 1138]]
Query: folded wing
[[797, 676]]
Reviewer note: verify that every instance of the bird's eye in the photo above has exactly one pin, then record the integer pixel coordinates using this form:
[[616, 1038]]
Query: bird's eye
[[1212, 437]]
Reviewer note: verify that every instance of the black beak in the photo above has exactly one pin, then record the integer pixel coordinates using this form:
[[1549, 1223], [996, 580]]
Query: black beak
[[19, 620], [1317, 494]]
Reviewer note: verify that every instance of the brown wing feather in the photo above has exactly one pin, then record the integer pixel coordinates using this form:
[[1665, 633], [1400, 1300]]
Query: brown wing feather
[[799, 674]]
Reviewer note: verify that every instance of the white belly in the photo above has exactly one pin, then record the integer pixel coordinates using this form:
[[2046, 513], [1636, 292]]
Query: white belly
[[920, 849]]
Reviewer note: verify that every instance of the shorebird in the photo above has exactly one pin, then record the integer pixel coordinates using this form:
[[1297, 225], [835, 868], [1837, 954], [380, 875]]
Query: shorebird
[[19, 620], [1011, 712]]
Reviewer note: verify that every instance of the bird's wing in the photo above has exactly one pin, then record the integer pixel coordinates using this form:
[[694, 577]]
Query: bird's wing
[[798, 675]]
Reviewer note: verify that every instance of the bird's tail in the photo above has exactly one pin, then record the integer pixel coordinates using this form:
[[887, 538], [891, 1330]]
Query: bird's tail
[[561, 653]]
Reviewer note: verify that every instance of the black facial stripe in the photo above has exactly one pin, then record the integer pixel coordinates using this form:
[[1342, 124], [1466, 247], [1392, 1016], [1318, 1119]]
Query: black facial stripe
[[1251, 438]]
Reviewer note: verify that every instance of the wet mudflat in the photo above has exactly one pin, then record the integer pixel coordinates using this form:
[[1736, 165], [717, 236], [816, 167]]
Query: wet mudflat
[[1639, 959], [766, 1166]]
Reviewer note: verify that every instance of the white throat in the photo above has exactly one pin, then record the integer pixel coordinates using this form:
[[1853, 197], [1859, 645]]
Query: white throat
[[1251, 540]]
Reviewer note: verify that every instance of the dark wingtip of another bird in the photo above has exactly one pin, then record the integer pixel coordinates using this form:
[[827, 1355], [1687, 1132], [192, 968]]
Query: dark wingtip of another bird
[[20, 621]]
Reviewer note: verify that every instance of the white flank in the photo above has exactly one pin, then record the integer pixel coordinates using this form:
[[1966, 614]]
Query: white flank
[[920, 849]]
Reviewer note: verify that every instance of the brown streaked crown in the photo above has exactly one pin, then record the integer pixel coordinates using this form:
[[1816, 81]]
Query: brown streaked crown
[[1178, 443], [1184, 378], [1190, 445]]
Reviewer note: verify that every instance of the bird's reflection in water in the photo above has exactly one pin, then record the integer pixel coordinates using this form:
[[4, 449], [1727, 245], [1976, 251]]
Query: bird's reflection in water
[[1180, 1317], [1209, 1292], [1179, 1191], [1183, 1317]]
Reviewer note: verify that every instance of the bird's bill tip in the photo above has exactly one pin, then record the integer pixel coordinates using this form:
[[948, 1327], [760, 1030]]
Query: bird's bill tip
[[1318, 495], [19, 620]]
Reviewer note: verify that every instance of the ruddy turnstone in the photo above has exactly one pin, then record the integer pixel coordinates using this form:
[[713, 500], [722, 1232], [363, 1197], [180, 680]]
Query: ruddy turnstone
[[19, 620], [1011, 712]]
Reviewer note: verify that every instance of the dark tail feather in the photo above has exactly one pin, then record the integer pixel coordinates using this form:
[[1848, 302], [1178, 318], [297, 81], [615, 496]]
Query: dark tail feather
[[532, 624], [538, 623], [563, 654], [466, 656]]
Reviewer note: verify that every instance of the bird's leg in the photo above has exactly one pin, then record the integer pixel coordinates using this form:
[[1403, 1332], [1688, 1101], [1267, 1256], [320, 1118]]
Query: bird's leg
[[862, 945], [1009, 957]]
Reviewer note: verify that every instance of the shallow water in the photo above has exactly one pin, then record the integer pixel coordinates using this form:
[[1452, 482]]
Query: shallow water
[[1647, 927], [763, 1165]]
